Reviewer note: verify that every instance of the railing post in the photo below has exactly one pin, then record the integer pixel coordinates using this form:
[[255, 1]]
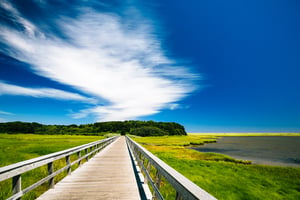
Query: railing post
[[157, 179], [68, 163], [140, 158], [50, 171], [157, 182], [148, 168], [91, 150], [135, 152], [16, 184], [78, 157], [178, 196], [86, 152]]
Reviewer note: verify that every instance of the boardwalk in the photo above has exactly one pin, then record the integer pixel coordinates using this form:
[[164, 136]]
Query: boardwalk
[[109, 175]]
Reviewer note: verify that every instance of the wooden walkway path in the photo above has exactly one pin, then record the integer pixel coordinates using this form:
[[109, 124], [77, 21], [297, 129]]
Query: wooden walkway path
[[108, 175]]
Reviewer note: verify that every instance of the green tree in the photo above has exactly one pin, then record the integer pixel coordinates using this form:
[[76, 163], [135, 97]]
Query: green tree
[[148, 131]]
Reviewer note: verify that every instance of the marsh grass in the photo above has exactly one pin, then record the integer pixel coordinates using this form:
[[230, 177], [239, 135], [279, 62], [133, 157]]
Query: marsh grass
[[166, 189], [222, 176], [5, 189], [176, 140], [19, 147]]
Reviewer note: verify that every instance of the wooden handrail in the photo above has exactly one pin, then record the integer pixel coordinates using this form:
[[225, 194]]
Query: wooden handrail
[[185, 189], [15, 171]]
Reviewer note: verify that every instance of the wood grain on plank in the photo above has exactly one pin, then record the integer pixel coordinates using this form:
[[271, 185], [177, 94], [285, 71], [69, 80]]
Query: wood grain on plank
[[108, 175]]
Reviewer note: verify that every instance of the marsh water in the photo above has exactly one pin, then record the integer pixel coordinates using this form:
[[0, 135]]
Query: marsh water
[[267, 150]]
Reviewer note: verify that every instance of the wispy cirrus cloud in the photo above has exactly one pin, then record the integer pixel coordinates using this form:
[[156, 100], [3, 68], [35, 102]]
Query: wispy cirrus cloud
[[5, 113], [104, 55], [9, 89]]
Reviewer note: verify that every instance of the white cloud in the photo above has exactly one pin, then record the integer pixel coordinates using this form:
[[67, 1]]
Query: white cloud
[[29, 28], [8, 89], [5, 113], [104, 58]]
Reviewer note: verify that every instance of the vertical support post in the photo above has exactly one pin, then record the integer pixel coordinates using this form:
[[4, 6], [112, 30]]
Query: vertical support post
[[86, 152], [178, 196], [68, 163], [78, 157], [50, 171], [148, 168], [140, 159], [140, 162], [157, 183], [157, 179], [16, 184], [135, 152], [91, 150]]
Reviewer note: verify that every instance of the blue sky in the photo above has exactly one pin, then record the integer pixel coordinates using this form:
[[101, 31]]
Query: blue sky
[[213, 66]]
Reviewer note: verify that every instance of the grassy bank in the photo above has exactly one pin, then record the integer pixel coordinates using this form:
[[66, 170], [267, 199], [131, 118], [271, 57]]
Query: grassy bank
[[222, 176], [19, 147]]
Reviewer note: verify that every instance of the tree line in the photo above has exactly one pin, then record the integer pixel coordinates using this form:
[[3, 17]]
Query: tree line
[[139, 128]]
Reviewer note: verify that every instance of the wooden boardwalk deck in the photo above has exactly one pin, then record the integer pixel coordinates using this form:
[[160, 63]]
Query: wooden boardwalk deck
[[109, 175]]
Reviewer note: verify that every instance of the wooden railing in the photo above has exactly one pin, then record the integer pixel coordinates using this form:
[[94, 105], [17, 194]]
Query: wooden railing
[[185, 189], [15, 171]]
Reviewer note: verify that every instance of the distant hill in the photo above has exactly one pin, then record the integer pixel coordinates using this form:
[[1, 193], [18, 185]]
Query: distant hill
[[140, 128]]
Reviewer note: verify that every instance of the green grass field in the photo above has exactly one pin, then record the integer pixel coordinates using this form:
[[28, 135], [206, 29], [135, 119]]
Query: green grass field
[[18, 147], [222, 176]]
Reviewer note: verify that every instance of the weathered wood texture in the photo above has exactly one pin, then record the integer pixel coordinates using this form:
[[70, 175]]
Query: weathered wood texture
[[16, 170], [185, 189], [109, 175]]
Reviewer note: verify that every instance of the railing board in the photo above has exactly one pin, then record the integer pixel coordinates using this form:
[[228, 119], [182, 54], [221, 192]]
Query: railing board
[[24, 166], [16, 170], [186, 188]]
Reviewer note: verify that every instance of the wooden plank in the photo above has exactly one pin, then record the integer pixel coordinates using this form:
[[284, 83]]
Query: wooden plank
[[109, 175]]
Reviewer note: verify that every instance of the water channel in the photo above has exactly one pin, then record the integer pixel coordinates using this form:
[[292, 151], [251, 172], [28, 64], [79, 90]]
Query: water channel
[[267, 150]]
